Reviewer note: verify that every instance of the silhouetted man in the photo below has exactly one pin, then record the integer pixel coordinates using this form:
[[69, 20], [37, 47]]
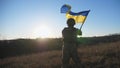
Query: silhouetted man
[[70, 44]]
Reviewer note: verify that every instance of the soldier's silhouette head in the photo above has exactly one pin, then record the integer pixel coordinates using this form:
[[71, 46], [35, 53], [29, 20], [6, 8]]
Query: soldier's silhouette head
[[70, 22]]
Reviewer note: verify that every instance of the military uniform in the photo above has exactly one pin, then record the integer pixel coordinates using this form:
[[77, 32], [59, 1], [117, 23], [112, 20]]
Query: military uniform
[[70, 46]]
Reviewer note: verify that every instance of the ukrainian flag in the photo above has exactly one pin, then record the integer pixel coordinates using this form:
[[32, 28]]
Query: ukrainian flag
[[78, 17]]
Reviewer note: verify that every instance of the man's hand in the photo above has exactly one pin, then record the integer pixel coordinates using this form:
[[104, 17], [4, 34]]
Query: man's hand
[[79, 32]]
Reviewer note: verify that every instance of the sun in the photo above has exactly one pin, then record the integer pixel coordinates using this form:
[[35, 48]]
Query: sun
[[42, 32]]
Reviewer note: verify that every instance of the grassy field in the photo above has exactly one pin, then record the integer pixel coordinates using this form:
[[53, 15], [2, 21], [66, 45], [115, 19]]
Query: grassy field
[[101, 55]]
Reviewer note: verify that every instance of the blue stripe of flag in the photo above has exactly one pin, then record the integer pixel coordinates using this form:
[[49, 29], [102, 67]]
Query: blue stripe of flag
[[83, 13]]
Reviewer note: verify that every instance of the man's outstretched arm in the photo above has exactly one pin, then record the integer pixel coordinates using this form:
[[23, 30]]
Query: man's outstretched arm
[[79, 32]]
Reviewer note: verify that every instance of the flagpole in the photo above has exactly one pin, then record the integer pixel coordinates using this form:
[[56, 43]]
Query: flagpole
[[81, 26], [83, 22]]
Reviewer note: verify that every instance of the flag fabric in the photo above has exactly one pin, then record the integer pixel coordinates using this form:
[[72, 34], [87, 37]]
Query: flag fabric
[[78, 17], [65, 8]]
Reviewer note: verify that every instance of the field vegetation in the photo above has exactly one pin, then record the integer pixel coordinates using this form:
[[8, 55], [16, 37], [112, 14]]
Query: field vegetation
[[94, 52]]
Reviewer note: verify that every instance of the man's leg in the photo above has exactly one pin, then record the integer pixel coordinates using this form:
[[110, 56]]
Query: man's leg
[[65, 59], [76, 58]]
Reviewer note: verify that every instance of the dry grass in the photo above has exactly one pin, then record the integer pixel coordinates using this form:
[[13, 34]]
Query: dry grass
[[104, 55], [101, 55]]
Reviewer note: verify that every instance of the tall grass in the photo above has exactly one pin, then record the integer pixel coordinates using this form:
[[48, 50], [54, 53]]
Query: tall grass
[[102, 55]]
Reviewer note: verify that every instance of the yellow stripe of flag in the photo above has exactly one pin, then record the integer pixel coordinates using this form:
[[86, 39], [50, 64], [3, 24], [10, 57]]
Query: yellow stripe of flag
[[78, 18]]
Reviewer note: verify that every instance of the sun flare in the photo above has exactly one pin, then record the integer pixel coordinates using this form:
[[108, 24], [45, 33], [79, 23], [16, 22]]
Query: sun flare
[[42, 32]]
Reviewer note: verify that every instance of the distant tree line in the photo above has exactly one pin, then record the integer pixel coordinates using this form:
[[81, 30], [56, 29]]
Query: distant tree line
[[19, 47]]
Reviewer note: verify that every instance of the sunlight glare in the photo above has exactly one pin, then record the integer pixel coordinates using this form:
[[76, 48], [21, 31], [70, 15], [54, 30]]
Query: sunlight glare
[[42, 31]]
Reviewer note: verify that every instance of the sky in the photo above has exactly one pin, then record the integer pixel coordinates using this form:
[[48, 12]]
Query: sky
[[42, 18]]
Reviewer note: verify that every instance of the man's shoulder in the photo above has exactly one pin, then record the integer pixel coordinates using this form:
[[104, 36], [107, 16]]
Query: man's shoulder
[[75, 28], [66, 28]]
